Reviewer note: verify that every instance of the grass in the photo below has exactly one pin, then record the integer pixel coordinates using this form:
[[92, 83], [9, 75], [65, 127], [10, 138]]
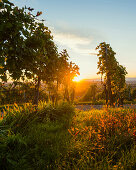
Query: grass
[[61, 138], [100, 137]]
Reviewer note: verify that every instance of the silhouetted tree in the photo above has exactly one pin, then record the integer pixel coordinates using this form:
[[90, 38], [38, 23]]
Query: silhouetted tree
[[114, 74], [66, 72]]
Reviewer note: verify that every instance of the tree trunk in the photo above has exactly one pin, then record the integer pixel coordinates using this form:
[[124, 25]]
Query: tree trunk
[[106, 94], [110, 97], [56, 101], [66, 95], [37, 92], [72, 95]]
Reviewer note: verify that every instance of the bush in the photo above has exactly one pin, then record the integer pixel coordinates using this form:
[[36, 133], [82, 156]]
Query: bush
[[63, 112], [19, 118]]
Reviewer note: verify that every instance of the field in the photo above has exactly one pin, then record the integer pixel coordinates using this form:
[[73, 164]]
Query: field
[[61, 137]]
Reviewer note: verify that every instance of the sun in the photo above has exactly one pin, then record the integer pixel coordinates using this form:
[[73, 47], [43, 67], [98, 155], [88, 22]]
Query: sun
[[77, 78]]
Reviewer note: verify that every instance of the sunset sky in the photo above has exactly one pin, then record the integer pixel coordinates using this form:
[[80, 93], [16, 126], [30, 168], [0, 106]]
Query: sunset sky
[[80, 25]]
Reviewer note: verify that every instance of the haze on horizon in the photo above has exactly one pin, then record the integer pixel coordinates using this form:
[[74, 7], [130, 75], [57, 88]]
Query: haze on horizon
[[79, 26]]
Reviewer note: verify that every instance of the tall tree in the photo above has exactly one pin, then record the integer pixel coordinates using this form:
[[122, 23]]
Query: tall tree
[[16, 25], [26, 45], [43, 56], [118, 84], [114, 74]]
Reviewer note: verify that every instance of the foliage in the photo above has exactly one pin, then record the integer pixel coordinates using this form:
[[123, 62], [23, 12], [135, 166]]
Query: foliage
[[20, 92], [26, 45], [13, 147], [20, 117], [134, 93], [114, 74], [31, 139], [90, 94], [43, 54], [16, 26], [45, 136], [42, 51], [27, 50], [66, 71], [95, 139], [101, 139]]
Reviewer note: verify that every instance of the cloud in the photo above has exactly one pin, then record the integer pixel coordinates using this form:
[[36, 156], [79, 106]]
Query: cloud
[[77, 43], [81, 40]]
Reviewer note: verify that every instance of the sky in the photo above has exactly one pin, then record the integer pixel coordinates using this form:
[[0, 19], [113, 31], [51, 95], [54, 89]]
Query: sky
[[81, 25]]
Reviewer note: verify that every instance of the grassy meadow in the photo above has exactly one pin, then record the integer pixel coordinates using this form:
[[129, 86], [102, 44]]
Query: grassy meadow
[[61, 137]]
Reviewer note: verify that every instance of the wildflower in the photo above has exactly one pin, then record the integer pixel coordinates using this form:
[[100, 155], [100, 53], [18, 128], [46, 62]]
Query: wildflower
[[134, 135], [76, 133]]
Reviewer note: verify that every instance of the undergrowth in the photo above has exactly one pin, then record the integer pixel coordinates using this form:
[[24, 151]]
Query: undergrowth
[[59, 137]]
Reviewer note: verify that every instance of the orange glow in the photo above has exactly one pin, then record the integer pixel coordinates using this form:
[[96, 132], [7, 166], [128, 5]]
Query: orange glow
[[77, 78]]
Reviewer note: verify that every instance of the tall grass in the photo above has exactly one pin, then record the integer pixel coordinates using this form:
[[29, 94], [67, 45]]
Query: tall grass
[[101, 137], [34, 138], [58, 137]]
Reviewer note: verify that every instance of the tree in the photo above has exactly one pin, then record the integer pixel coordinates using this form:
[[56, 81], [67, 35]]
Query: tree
[[15, 27], [128, 93], [91, 93], [118, 84], [26, 45], [43, 54], [114, 74], [66, 71], [134, 93], [27, 49]]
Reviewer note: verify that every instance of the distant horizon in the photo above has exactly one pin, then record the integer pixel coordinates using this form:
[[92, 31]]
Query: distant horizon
[[127, 78]]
